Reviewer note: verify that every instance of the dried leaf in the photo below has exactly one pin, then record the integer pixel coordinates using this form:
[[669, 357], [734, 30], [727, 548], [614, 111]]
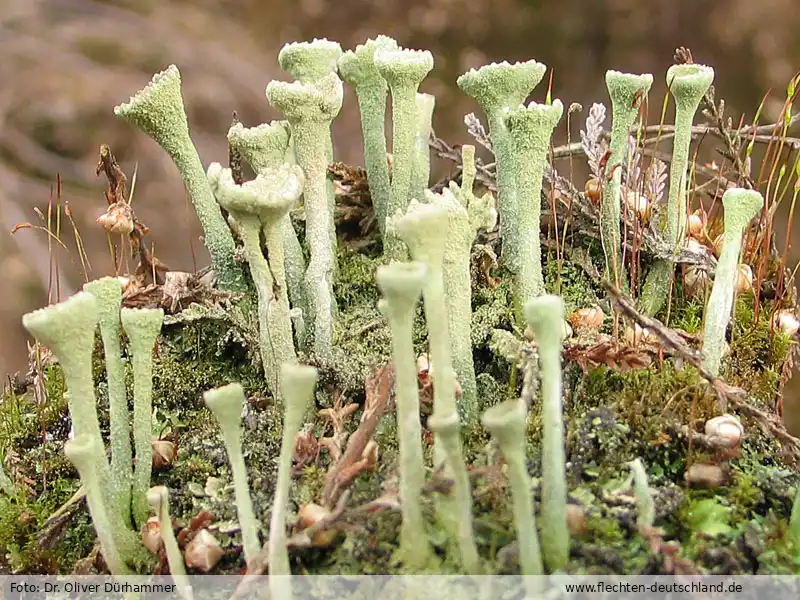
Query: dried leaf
[[379, 399], [476, 130], [610, 353], [656, 181], [594, 145]]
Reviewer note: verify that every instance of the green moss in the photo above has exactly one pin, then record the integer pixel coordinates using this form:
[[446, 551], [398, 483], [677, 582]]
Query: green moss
[[571, 282], [611, 416]]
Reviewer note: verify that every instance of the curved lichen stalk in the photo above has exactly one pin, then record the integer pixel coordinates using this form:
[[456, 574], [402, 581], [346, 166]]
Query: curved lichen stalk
[[627, 92], [688, 84], [404, 71], [498, 88], [357, 68], [531, 129], [82, 451], [741, 206], [158, 111], [68, 329], [310, 109]]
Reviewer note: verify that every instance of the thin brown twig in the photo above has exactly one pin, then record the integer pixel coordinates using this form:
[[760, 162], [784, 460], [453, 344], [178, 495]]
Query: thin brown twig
[[727, 395]]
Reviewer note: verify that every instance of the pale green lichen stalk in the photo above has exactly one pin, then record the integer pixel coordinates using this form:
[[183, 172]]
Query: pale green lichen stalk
[[158, 111], [688, 84], [142, 326], [357, 68], [404, 71], [308, 62], [627, 93], [424, 229], [264, 203], [645, 507], [401, 286], [68, 329], [466, 215], [158, 500], [108, 291], [421, 169], [545, 315], [265, 147], [498, 88], [740, 205], [507, 422], [457, 511], [310, 109], [298, 382], [83, 451], [531, 129], [227, 403]]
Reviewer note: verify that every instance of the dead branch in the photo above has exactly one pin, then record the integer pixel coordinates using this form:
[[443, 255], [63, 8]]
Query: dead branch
[[727, 395], [361, 453]]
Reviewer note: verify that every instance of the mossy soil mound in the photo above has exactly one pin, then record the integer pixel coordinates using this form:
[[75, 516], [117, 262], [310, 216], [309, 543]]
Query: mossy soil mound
[[717, 511]]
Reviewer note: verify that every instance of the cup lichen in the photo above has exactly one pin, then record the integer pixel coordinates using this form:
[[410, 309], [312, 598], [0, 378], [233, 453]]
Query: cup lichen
[[421, 167], [507, 422], [627, 92], [266, 147], [498, 88], [158, 111], [530, 129], [404, 71], [740, 205], [298, 382], [263, 204], [688, 83], [310, 109], [467, 214], [357, 67], [227, 403], [108, 291]]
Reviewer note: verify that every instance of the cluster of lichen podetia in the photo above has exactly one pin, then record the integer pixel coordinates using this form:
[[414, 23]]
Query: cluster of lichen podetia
[[290, 159]]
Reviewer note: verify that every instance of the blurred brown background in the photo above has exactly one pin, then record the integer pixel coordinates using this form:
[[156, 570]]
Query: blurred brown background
[[66, 63]]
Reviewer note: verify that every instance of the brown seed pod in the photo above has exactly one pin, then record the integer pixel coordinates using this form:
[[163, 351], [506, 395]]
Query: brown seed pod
[[164, 453], [587, 319], [593, 190], [151, 535], [117, 219], [744, 279], [638, 204], [311, 514], [727, 429], [203, 552], [706, 475], [786, 321]]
